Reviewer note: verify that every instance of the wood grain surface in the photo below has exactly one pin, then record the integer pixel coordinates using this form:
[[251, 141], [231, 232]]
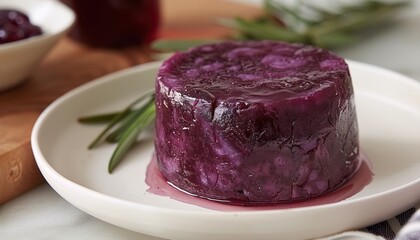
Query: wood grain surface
[[71, 64]]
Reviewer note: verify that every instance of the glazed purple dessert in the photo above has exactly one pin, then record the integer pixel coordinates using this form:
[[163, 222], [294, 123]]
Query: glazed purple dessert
[[256, 122]]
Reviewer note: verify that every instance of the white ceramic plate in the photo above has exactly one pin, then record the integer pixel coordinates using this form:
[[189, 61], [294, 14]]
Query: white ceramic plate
[[388, 108]]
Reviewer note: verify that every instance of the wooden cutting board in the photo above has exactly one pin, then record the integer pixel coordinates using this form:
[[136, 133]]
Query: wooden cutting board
[[71, 64]]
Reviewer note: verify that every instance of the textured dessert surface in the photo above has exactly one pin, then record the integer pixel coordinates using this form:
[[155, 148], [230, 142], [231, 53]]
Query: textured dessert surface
[[256, 122], [252, 70]]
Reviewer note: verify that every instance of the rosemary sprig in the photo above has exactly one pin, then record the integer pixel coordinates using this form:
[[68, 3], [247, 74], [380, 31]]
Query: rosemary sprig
[[98, 119], [262, 30], [130, 134], [322, 28], [123, 127], [117, 134]]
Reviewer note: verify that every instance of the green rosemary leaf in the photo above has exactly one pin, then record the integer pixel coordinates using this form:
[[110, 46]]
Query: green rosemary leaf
[[116, 135], [116, 119], [281, 11], [374, 5], [98, 119], [258, 30], [334, 40], [351, 22], [178, 44], [130, 135]]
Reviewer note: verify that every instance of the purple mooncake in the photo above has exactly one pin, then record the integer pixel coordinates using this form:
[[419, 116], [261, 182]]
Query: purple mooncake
[[256, 123]]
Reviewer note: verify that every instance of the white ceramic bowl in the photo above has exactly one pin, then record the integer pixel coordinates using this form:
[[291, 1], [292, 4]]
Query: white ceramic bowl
[[18, 59]]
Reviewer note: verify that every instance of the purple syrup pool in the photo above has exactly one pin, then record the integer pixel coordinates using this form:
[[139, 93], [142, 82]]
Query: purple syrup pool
[[159, 186]]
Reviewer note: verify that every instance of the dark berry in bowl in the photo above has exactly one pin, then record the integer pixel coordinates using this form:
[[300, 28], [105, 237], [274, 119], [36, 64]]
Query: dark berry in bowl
[[15, 26]]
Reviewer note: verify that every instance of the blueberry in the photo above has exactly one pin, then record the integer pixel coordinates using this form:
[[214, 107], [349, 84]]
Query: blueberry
[[15, 26], [6, 33], [18, 18]]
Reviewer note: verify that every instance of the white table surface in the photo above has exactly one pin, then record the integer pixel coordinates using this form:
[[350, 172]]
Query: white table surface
[[42, 214]]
